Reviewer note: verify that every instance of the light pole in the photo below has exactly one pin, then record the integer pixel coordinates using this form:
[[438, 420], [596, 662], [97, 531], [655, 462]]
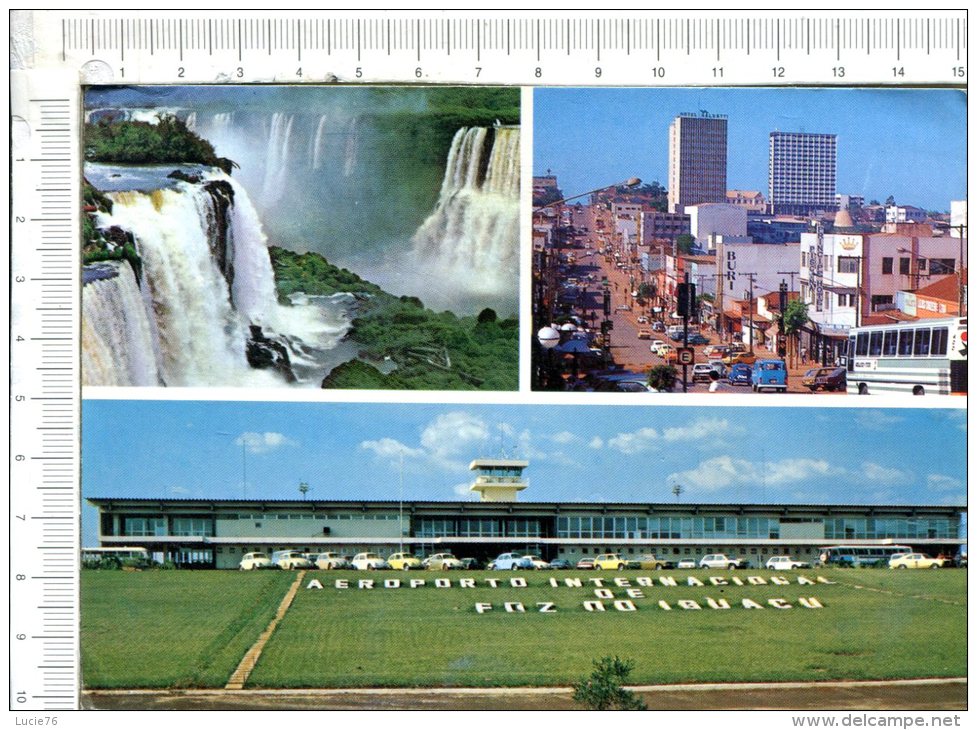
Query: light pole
[[304, 489], [548, 338], [677, 491]]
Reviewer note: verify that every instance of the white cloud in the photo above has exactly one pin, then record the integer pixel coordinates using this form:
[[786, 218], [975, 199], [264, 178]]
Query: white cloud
[[389, 448], [943, 483], [464, 490], [633, 443], [596, 443], [876, 420], [701, 429], [563, 437], [453, 433], [262, 443], [179, 490], [878, 473], [724, 471]]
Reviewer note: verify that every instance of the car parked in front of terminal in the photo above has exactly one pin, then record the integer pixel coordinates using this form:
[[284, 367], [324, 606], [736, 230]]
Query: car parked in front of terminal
[[785, 562], [585, 564], [254, 561], [290, 560], [561, 564], [512, 561], [650, 561], [719, 561], [538, 562], [331, 561], [915, 560], [444, 561], [686, 564], [404, 561], [368, 561], [612, 561], [770, 374]]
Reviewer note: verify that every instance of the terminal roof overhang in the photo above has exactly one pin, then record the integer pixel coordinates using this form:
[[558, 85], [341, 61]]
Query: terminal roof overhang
[[436, 507]]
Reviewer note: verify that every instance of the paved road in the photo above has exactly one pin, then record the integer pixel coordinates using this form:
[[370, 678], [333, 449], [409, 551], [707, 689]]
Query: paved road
[[935, 695]]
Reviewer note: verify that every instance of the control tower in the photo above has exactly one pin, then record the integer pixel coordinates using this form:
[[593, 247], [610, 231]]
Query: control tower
[[498, 480]]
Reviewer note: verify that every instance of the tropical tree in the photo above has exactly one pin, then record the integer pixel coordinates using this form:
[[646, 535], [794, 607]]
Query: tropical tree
[[684, 243], [662, 377], [795, 317]]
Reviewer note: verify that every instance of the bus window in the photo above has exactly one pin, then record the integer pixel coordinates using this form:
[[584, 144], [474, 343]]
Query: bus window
[[891, 340], [861, 346], [875, 344], [905, 343], [938, 344], [921, 345]]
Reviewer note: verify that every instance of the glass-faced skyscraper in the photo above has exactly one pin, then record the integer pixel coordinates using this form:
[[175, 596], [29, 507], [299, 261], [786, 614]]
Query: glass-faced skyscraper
[[696, 160], [802, 172]]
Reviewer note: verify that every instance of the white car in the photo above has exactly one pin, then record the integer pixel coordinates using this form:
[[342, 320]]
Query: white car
[[719, 561], [368, 561], [330, 561], [686, 564], [785, 562], [538, 562], [290, 560], [656, 345], [254, 561]]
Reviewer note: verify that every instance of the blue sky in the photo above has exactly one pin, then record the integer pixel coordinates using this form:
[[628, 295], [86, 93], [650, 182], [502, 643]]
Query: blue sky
[[910, 143], [577, 453]]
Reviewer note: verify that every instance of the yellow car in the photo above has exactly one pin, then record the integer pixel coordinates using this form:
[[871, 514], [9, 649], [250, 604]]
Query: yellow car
[[733, 358], [915, 560], [404, 561], [610, 561]]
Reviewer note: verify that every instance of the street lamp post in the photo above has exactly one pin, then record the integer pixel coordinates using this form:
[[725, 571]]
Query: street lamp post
[[548, 338]]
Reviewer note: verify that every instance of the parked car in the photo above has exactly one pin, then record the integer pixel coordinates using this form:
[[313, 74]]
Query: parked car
[[404, 561], [770, 374], [642, 319], [960, 559], [254, 561], [658, 326], [650, 561], [785, 562], [585, 564], [807, 380], [715, 350], [331, 561], [739, 374], [697, 338], [512, 561], [686, 564], [656, 346], [561, 564], [368, 561], [718, 366], [611, 561], [644, 334], [719, 561], [443, 561], [290, 560], [470, 564], [915, 560], [538, 562], [837, 379], [623, 383], [670, 356], [702, 371]]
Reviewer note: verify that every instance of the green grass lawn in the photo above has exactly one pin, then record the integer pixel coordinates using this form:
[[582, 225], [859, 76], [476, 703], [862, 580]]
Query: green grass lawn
[[172, 628], [176, 629], [430, 636]]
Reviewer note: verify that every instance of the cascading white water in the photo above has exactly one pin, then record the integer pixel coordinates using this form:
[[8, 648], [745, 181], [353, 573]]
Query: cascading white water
[[277, 157], [472, 236], [117, 341], [318, 143]]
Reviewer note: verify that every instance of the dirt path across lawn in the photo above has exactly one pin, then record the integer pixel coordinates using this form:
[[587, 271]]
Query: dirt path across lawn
[[917, 694]]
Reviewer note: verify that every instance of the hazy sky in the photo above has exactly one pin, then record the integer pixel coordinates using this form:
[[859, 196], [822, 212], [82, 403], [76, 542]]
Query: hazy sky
[[910, 143], [609, 453]]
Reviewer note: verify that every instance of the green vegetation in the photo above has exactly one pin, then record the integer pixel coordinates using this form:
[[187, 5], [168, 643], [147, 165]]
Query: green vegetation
[[603, 689], [432, 350], [433, 637], [172, 628], [140, 143], [180, 629], [112, 244], [662, 377]]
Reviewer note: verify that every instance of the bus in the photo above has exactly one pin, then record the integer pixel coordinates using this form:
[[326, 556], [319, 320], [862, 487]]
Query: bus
[[920, 357], [858, 556], [93, 557]]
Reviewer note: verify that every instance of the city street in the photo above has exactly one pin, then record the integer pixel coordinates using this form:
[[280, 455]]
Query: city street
[[624, 276]]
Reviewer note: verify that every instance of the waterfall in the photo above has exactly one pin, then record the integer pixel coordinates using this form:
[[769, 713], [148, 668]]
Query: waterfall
[[117, 339], [277, 157], [472, 236], [207, 277], [317, 144], [352, 142]]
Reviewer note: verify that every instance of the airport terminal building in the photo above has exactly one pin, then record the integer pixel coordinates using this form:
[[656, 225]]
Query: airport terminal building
[[218, 532]]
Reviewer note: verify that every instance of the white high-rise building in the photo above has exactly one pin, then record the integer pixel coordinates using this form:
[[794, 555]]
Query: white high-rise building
[[802, 172], [696, 160]]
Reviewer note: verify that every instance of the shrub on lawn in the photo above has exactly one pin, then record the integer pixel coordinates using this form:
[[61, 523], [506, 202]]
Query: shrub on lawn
[[602, 690]]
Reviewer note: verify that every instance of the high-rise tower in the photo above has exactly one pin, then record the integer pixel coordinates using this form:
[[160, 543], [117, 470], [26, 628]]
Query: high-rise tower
[[696, 160]]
